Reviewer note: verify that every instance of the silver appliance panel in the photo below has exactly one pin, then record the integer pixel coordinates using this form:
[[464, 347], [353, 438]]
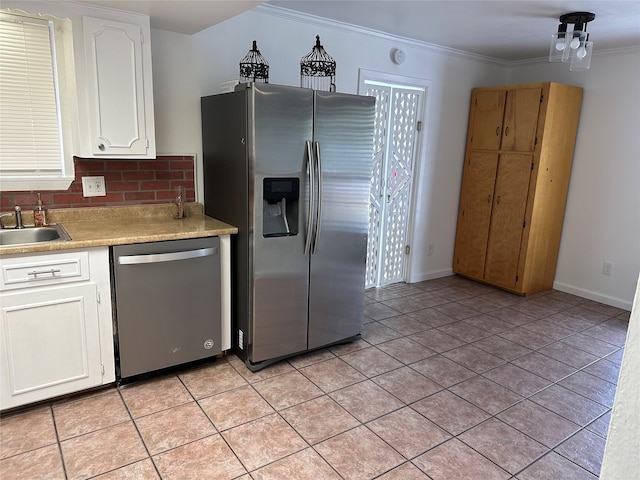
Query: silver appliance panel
[[343, 137], [280, 119], [301, 288], [167, 302]]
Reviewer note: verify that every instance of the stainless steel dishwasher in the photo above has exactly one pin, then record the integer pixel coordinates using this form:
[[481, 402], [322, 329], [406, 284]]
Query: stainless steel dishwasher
[[167, 297]]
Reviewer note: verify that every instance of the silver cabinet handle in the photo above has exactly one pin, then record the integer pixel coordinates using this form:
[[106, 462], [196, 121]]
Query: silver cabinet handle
[[101, 147], [166, 257], [51, 272], [320, 198], [307, 242]]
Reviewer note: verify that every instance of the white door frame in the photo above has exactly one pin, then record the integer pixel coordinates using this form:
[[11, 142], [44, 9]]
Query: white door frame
[[411, 82]]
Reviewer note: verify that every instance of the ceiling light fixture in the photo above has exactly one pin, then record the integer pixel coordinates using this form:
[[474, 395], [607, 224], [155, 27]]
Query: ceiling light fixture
[[572, 46]]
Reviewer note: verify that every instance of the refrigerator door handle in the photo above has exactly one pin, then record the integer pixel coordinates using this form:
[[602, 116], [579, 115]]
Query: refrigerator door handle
[[319, 199], [307, 242]]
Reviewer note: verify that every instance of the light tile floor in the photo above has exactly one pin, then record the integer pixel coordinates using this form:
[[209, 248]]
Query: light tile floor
[[452, 380]]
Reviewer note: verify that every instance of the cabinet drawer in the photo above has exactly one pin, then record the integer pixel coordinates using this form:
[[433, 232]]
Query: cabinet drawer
[[47, 269]]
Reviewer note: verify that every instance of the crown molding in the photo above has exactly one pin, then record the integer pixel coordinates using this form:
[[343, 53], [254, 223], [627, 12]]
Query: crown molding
[[287, 14]]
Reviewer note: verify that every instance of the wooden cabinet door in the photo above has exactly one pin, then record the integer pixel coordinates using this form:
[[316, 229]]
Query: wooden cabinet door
[[521, 119], [485, 124], [475, 213], [115, 84], [507, 219]]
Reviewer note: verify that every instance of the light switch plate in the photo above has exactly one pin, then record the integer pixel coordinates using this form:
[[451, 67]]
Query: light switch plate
[[93, 187]]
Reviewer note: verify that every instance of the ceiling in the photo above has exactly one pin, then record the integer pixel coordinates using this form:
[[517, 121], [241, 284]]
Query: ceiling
[[509, 30]]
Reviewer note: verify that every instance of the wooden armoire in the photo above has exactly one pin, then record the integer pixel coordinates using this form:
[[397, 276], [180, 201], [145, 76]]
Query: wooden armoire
[[517, 165]]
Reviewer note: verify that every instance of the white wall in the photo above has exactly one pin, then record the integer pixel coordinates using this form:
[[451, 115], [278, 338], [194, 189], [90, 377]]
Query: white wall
[[176, 93], [602, 219], [622, 451], [284, 40], [176, 90]]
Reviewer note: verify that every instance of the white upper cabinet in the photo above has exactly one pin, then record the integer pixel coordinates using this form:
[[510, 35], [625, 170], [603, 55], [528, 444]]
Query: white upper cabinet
[[116, 90], [119, 98]]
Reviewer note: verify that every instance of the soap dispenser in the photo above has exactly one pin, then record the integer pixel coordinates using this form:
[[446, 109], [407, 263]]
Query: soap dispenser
[[39, 214]]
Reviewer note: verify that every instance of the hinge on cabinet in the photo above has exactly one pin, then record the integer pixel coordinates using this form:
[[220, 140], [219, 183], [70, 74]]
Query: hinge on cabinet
[[524, 223], [419, 126], [146, 142], [541, 97], [516, 278], [471, 141], [531, 165], [102, 368], [407, 249], [535, 142], [98, 298], [141, 37]]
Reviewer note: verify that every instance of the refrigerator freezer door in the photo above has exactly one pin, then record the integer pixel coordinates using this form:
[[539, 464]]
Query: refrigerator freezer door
[[343, 133], [280, 124]]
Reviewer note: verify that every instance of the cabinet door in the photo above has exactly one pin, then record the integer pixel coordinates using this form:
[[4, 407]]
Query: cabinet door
[[521, 119], [485, 122], [507, 219], [115, 86], [49, 343], [475, 213]]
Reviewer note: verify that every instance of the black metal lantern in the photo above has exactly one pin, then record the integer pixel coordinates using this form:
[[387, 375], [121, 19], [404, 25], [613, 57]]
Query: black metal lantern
[[318, 69], [254, 67]]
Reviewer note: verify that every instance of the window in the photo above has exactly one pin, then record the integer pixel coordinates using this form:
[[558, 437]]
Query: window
[[38, 115]]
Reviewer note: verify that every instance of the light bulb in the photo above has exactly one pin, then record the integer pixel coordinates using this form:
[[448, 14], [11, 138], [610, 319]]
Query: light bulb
[[581, 52], [575, 42]]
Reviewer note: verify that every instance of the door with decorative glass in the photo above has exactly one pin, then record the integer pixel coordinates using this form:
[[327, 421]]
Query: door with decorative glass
[[396, 134]]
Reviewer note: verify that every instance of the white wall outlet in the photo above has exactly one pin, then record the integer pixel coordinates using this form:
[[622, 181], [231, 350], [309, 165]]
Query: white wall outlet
[[607, 267], [93, 187]]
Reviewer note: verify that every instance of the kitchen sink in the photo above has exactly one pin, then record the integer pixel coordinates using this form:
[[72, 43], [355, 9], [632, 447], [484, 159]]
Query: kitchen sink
[[30, 234]]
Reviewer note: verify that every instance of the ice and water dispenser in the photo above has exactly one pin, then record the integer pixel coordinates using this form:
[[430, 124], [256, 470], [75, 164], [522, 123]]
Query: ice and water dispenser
[[280, 206]]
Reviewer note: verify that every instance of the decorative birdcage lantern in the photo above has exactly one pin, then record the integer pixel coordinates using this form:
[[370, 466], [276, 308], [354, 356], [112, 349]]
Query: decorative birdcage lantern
[[318, 69], [254, 67]]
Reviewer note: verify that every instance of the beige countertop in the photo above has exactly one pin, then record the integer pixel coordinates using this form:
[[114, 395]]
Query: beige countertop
[[106, 226]]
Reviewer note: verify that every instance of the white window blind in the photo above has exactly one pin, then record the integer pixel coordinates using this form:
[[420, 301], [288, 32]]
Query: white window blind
[[30, 131], [38, 102]]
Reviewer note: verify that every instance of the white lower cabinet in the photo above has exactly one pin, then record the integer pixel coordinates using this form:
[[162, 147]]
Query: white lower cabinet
[[54, 337]]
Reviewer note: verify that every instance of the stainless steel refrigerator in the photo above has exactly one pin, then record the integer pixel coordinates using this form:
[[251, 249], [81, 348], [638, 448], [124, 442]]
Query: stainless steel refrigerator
[[291, 168]]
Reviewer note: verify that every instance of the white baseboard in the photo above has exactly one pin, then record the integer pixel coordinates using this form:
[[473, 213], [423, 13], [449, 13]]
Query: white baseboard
[[595, 296], [446, 272]]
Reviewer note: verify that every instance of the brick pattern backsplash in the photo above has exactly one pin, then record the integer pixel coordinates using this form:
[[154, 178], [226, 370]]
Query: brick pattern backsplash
[[127, 182]]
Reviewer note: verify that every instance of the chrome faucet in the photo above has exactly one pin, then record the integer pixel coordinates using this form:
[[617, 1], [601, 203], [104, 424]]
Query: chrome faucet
[[18, 217]]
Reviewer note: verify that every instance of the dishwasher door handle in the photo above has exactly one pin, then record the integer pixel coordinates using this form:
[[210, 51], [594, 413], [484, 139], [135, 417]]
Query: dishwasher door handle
[[166, 257]]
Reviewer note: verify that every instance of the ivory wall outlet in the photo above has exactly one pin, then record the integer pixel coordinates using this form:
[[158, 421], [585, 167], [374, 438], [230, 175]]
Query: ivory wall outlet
[[93, 187]]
